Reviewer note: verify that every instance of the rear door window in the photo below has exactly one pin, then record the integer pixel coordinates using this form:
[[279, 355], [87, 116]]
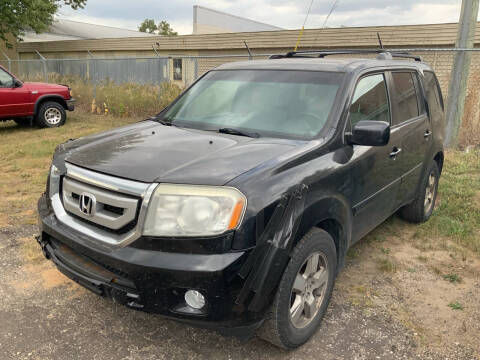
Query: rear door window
[[370, 100], [406, 96]]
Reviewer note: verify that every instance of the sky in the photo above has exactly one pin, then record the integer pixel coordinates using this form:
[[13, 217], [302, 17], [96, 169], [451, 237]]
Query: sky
[[286, 14]]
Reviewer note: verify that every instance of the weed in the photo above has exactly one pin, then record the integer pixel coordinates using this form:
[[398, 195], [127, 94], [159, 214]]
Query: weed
[[455, 306], [386, 265], [385, 250], [120, 100], [353, 252], [453, 278], [436, 270], [422, 258]]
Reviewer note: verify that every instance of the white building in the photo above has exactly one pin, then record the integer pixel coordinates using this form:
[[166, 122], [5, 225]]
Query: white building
[[62, 29], [209, 21]]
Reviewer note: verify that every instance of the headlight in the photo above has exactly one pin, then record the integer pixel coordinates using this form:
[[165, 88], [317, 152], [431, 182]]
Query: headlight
[[193, 210]]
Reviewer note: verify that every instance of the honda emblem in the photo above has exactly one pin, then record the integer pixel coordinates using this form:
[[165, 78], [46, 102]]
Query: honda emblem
[[87, 203]]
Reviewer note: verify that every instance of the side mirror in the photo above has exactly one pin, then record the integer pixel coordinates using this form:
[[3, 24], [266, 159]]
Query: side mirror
[[17, 83], [370, 133]]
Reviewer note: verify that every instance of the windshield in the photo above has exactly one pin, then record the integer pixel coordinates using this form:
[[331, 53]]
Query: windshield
[[277, 103]]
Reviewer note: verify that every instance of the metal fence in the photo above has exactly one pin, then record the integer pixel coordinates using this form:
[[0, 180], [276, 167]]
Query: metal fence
[[139, 70], [134, 70]]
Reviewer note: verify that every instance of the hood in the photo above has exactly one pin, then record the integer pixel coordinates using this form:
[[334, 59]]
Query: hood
[[151, 152], [41, 85]]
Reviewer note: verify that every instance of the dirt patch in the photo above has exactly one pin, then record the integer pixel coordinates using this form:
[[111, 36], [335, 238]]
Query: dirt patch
[[431, 287], [3, 220], [53, 278], [38, 278]]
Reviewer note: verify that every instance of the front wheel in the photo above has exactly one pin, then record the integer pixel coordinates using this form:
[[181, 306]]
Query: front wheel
[[51, 114], [303, 293]]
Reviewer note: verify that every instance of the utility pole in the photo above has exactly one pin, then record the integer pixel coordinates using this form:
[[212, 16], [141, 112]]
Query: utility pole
[[457, 89]]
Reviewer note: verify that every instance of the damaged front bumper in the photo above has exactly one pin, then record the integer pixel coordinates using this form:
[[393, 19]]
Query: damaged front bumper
[[153, 281]]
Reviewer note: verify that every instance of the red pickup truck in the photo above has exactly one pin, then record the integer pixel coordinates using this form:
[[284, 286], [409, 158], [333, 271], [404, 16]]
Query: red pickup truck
[[32, 102]]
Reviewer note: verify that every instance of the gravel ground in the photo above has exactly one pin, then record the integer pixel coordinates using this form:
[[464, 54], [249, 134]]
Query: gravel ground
[[43, 315]]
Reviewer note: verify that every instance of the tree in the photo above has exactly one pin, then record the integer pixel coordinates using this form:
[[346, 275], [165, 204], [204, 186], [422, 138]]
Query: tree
[[164, 28], [18, 15], [148, 26]]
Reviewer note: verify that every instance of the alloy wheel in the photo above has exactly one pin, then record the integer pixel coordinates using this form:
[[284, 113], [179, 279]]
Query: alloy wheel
[[53, 116], [429, 193], [308, 290]]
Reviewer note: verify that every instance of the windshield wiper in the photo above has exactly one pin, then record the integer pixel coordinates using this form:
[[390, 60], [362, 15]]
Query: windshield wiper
[[164, 121], [233, 131]]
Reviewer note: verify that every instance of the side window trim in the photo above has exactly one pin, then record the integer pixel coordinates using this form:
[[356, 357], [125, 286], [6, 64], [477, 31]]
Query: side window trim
[[348, 124]]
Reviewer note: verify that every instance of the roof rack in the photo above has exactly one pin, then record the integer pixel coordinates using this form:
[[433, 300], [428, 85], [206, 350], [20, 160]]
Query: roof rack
[[383, 53]]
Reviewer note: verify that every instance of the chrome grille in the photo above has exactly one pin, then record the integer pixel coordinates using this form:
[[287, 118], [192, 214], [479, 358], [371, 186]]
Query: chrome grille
[[113, 211], [106, 208]]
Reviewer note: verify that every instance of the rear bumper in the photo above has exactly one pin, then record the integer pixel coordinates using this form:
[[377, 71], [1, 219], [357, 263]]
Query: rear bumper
[[152, 281], [70, 104]]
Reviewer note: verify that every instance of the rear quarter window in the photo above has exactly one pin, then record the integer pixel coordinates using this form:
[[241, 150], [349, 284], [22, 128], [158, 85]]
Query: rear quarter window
[[433, 93]]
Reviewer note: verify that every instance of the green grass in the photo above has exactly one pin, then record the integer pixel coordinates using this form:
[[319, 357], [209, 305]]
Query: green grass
[[458, 214]]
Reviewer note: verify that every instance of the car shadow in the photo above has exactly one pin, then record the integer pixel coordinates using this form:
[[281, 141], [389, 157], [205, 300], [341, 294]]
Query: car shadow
[[9, 127]]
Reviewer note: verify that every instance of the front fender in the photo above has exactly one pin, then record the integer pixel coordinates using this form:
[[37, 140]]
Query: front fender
[[294, 215]]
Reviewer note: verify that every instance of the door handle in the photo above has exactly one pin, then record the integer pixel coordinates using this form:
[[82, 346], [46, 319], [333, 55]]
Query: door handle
[[395, 152], [427, 134]]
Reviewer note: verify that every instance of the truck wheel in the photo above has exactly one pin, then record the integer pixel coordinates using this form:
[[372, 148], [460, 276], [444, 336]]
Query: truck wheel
[[51, 114], [420, 209], [304, 292]]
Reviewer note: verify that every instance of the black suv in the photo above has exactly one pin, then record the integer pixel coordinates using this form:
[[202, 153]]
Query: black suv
[[234, 207]]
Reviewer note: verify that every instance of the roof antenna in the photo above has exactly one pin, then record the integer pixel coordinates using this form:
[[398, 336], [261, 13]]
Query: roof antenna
[[250, 56], [379, 40]]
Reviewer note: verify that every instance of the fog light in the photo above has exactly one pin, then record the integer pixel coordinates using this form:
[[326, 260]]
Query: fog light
[[194, 299]]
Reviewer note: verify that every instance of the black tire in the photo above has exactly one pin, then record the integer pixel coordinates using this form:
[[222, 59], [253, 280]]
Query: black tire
[[417, 211], [51, 114], [278, 327]]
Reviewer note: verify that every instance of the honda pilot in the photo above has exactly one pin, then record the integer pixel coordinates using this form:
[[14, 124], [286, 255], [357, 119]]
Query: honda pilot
[[234, 207]]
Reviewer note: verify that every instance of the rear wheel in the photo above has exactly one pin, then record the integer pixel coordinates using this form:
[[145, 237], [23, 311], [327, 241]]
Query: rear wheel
[[420, 209], [304, 292], [51, 114]]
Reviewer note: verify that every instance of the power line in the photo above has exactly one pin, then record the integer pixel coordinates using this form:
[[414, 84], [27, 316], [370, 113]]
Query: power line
[[332, 9], [303, 26]]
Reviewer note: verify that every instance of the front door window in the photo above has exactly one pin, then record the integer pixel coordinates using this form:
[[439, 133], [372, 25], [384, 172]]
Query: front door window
[[6, 80]]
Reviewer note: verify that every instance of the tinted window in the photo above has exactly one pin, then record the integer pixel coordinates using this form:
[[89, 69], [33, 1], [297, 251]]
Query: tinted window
[[406, 96], [273, 103], [6, 79], [370, 100], [434, 97]]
